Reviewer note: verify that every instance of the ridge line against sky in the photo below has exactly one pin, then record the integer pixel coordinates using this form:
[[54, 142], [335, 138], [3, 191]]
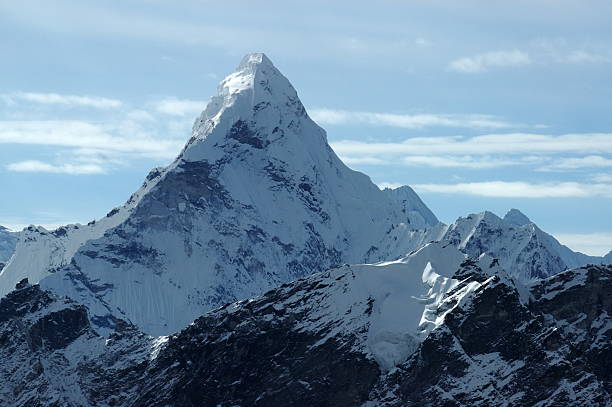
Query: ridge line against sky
[[448, 98]]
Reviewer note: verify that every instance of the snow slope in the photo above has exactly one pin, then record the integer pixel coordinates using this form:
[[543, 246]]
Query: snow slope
[[256, 198]]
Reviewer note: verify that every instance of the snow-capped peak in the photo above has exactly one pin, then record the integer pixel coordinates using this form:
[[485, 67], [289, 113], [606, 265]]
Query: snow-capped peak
[[255, 93], [516, 217], [256, 198]]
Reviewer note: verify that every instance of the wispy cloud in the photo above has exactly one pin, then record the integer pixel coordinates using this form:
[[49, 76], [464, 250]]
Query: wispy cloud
[[573, 163], [502, 189], [584, 57], [594, 244], [409, 121], [602, 177], [180, 107], [541, 52], [81, 134], [85, 147], [422, 42], [60, 99], [495, 59], [92, 147], [39, 166], [438, 161], [510, 143]]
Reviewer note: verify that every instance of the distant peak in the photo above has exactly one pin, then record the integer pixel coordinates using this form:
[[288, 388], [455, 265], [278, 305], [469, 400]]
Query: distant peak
[[516, 218]]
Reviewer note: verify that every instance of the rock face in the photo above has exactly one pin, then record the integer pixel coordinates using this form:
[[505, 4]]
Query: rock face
[[255, 199], [475, 338], [528, 253]]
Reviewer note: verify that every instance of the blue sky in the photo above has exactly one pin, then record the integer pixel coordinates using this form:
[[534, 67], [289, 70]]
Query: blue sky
[[476, 104]]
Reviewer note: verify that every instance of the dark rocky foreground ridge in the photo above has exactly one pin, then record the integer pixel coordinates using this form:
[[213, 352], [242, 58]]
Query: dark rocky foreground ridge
[[550, 346]]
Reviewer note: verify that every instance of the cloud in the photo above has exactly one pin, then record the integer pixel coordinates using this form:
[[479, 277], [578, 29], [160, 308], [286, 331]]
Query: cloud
[[542, 52], [502, 189], [591, 161], [602, 177], [409, 121], [458, 162], [120, 138], [65, 100], [88, 147], [594, 244], [438, 161], [584, 57], [482, 62], [39, 166], [180, 107], [491, 144], [422, 42]]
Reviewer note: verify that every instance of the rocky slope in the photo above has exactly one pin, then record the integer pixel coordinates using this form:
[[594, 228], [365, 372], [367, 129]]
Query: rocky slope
[[433, 328]]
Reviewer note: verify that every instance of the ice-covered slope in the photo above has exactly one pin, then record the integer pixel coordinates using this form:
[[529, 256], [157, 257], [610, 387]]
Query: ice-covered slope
[[8, 241], [523, 249], [256, 198]]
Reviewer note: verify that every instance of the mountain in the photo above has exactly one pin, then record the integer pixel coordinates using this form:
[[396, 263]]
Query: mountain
[[256, 198], [8, 241], [407, 332], [522, 248], [418, 215]]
